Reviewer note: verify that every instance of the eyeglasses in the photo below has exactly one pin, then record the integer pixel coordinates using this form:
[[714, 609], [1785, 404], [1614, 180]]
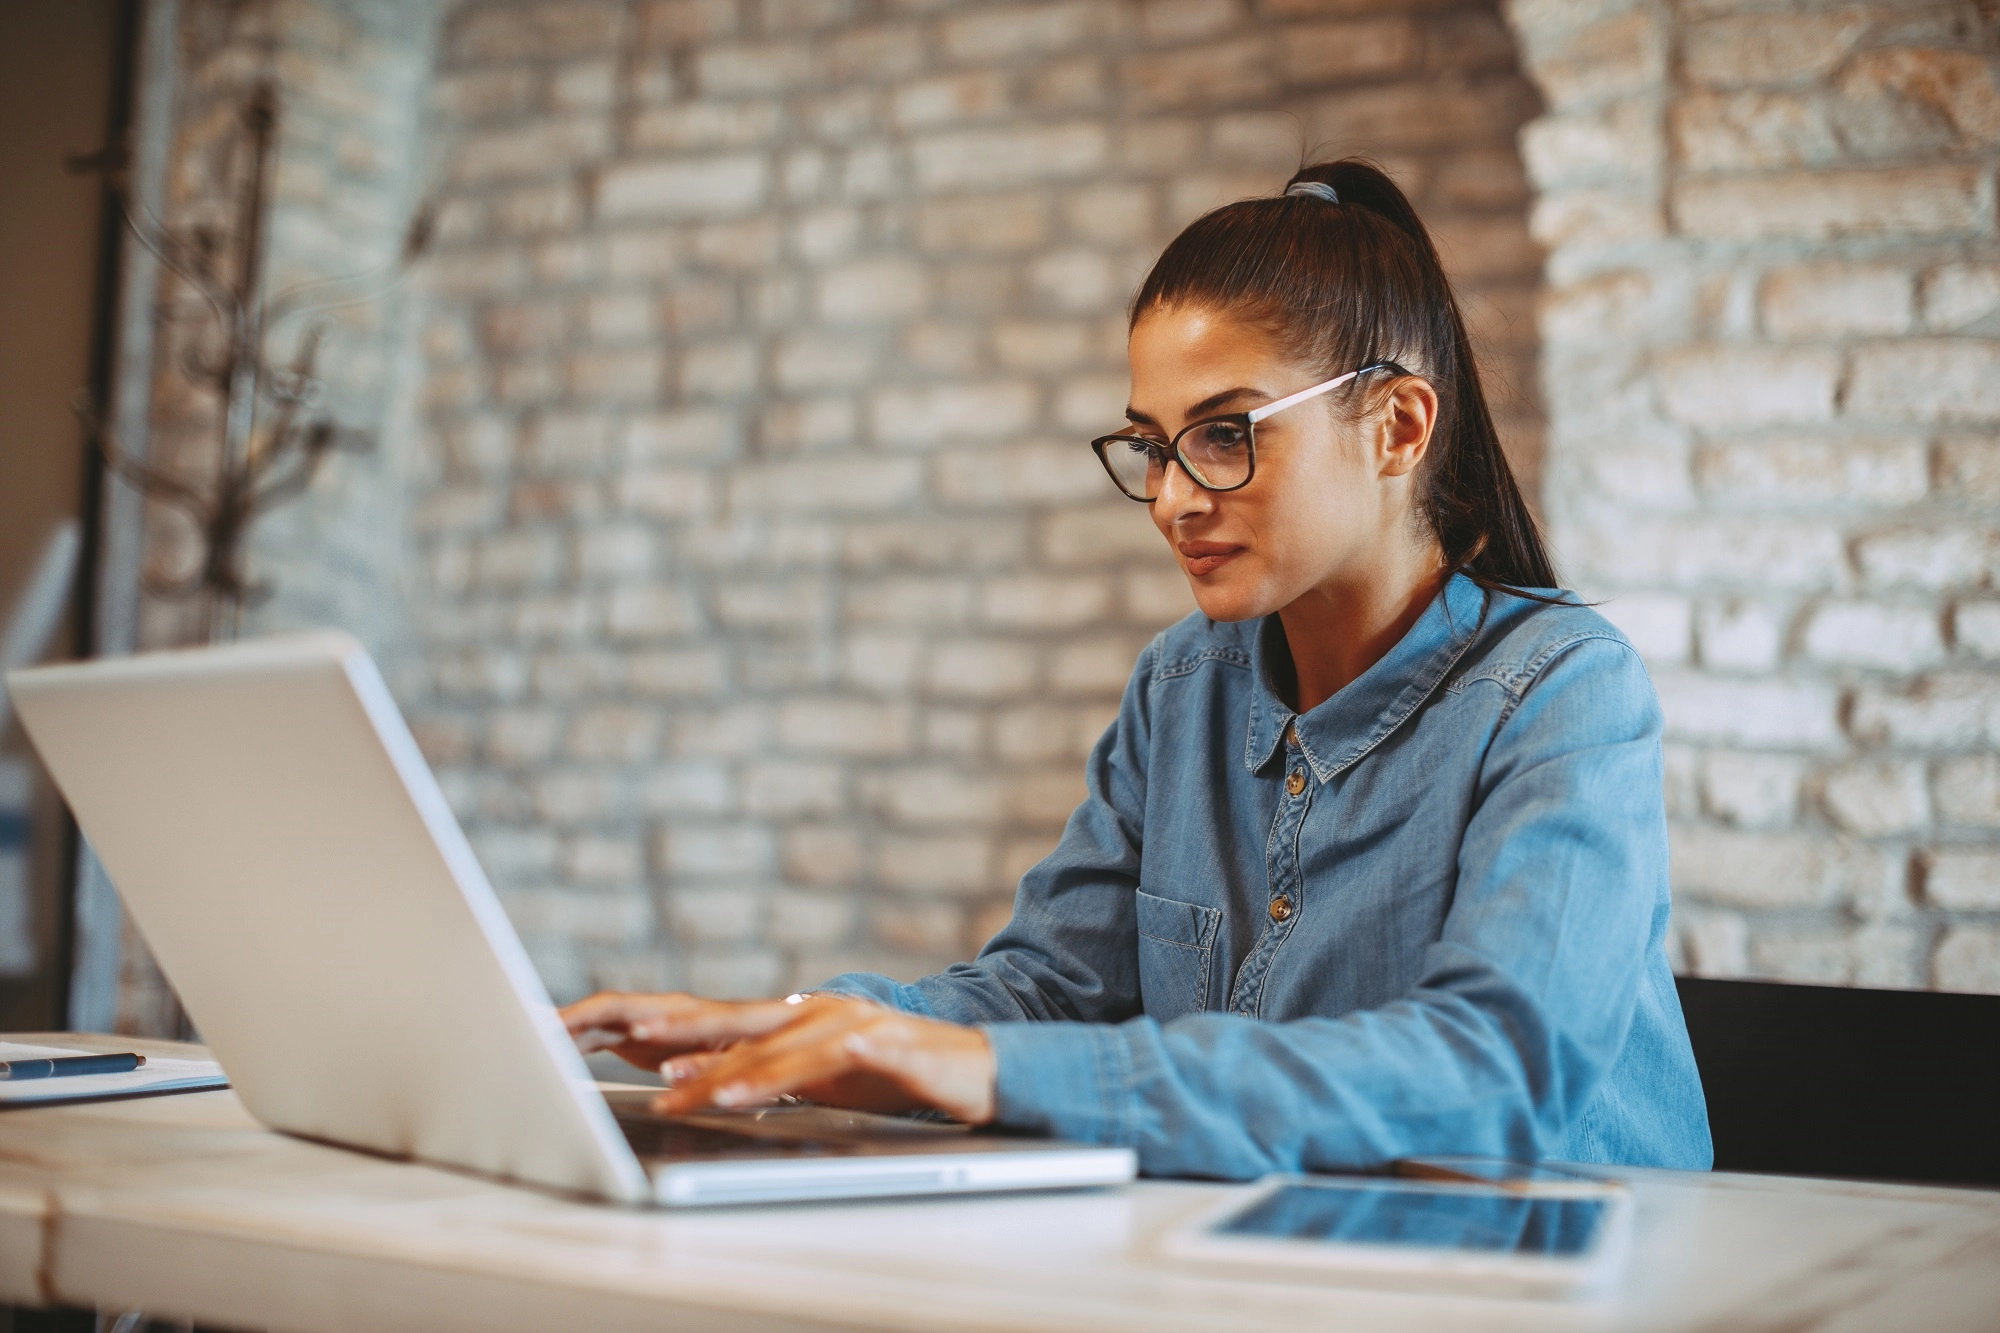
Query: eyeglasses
[[1219, 453]]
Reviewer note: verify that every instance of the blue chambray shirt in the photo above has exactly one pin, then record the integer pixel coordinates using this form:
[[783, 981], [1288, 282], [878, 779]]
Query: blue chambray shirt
[[1427, 916]]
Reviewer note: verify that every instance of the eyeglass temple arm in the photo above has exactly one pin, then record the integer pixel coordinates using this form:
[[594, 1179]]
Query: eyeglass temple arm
[[1257, 414]]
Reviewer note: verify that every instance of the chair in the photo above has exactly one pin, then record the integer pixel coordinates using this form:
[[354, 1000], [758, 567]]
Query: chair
[[1836, 1081]]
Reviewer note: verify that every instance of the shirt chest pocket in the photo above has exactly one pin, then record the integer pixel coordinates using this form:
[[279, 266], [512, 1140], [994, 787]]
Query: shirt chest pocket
[[1176, 956]]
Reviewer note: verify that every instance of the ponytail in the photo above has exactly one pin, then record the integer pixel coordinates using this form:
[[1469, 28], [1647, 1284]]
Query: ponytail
[[1343, 270]]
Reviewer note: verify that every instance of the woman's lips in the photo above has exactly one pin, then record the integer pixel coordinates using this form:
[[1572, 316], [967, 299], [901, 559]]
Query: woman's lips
[[1200, 558]]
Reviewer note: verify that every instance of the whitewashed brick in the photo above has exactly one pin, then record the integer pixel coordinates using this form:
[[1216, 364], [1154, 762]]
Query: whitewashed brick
[[1948, 711], [802, 920], [1008, 476], [652, 611], [1880, 798], [1749, 790], [1961, 296], [1740, 636], [1968, 959], [714, 849], [1035, 602], [1940, 379], [951, 864], [1793, 472], [1735, 387], [847, 485], [1976, 628], [998, 158], [731, 915], [872, 289], [1869, 955], [1931, 557], [979, 668], [1752, 713], [1713, 943], [1830, 300], [844, 726], [686, 787], [740, 974], [1659, 625], [1868, 634], [1963, 880], [1967, 791], [928, 417], [1768, 870], [681, 188], [919, 926], [934, 795], [688, 673]]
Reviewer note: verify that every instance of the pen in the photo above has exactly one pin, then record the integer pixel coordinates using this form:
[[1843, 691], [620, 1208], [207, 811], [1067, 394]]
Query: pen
[[66, 1066]]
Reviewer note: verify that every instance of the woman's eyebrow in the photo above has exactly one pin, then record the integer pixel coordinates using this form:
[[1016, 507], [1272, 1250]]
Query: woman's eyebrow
[[1208, 404]]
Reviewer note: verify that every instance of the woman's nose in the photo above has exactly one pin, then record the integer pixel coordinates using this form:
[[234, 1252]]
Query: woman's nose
[[1180, 497]]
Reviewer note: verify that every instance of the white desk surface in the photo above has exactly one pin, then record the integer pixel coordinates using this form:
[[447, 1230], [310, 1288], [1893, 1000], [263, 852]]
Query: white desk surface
[[182, 1205]]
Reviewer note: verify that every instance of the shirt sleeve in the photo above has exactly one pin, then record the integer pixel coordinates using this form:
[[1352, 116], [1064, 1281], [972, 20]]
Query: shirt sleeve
[[1071, 950], [1520, 1008]]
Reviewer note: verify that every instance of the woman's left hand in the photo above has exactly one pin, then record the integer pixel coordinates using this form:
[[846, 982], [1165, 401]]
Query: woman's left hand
[[847, 1052]]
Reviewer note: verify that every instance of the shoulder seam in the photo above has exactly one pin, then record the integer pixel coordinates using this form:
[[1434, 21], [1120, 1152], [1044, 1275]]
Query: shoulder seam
[[1186, 665], [1535, 665]]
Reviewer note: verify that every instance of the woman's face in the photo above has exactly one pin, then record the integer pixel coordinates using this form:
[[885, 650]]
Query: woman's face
[[1330, 492]]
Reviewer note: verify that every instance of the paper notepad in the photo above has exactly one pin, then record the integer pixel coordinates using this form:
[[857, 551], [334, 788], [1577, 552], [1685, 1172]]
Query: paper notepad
[[158, 1074]]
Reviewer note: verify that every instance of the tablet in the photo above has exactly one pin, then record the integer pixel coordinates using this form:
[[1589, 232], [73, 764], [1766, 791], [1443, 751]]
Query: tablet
[[1529, 1238]]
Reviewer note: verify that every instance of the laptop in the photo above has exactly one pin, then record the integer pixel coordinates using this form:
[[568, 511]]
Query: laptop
[[277, 837]]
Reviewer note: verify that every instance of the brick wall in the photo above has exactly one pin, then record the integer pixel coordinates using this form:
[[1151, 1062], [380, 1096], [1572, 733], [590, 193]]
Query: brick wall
[[764, 601], [775, 599], [1772, 380], [352, 79]]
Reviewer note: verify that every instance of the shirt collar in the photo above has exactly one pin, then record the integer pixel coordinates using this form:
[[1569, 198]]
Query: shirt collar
[[1364, 711]]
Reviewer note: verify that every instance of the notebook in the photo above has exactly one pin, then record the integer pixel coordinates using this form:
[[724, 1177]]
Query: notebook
[[159, 1074]]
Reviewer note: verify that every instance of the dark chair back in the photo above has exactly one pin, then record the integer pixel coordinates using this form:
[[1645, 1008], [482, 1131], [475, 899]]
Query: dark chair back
[[1837, 1081]]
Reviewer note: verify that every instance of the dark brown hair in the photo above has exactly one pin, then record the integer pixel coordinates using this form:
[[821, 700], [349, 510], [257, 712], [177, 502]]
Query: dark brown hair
[[1347, 284]]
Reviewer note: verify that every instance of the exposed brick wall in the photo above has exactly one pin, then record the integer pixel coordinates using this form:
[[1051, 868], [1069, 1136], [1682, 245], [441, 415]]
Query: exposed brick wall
[[1772, 381], [765, 599], [776, 599], [352, 78]]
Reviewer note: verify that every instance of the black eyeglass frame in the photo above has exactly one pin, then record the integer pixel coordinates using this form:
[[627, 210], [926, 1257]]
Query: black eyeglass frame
[[1171, 452]]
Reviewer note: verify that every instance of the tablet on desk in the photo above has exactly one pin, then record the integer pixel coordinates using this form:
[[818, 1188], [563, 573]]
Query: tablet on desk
[[1536, 1238]]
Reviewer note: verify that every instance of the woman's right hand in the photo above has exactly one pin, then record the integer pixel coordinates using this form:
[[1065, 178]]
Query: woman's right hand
[[649, 1030]]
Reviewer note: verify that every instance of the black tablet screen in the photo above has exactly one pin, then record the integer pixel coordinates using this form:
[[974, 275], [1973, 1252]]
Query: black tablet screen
[[1492, 1223]]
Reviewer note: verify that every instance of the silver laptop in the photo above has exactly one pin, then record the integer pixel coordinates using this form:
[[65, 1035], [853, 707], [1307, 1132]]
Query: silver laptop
[[279, 840]]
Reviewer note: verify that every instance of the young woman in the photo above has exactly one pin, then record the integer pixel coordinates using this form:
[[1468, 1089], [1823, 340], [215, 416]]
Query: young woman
[[1373, 861]]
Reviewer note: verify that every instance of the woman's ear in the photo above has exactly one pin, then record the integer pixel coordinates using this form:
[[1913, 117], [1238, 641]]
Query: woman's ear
[[1407, 419]]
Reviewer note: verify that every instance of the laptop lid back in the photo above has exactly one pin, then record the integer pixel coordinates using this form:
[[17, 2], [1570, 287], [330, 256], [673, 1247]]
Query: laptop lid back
[[281, 843]]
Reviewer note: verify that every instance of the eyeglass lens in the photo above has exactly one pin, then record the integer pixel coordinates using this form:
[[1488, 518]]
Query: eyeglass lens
[[1215, 453]]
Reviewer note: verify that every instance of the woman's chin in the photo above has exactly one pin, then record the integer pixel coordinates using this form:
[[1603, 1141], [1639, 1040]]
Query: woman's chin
[[1228, 600]]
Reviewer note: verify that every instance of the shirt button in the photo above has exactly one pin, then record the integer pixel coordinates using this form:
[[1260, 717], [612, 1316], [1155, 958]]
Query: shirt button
[[1296, 783], [1291, 736], [1281, 909]]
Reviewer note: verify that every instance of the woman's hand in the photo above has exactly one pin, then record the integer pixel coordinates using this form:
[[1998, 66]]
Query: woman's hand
[[832, 1048]]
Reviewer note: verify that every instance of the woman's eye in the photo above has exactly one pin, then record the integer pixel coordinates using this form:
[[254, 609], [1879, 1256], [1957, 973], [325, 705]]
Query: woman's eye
[[1222, 435]]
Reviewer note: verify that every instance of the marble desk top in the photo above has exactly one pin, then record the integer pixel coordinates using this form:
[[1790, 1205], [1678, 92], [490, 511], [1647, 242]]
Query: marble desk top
[[183, 1205]]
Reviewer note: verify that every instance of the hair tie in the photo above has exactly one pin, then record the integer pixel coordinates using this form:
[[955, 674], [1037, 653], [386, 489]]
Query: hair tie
[[1316, 189]]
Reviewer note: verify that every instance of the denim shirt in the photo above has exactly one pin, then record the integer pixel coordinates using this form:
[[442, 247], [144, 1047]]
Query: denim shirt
[[1427, 916]]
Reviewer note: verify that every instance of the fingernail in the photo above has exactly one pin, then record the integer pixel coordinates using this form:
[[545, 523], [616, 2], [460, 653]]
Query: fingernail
[[731, 1095]]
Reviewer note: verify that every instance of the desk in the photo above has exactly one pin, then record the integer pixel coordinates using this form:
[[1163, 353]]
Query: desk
[[183, 1205]]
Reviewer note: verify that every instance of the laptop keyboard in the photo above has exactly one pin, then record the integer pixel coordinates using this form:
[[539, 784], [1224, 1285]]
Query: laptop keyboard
[[671, 1138]]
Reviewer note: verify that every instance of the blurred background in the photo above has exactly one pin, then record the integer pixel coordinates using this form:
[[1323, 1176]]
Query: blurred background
[[705, 410]]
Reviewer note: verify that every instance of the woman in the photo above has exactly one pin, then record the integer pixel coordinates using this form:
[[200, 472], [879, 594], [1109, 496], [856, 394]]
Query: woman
[[1373, 861]]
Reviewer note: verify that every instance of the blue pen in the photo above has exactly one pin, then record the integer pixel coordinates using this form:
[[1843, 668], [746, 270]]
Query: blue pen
[[68, 1066]]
